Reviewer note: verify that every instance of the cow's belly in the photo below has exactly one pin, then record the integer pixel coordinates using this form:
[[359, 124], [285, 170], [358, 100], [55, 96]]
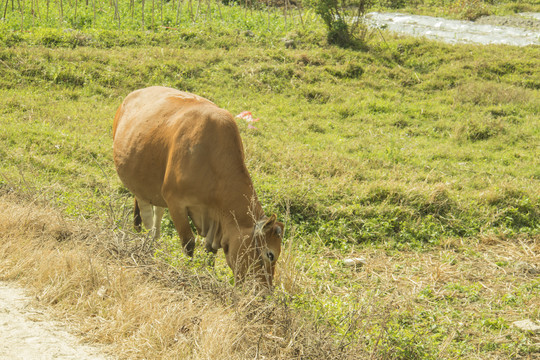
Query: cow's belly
[[145, 190], [208, 224]]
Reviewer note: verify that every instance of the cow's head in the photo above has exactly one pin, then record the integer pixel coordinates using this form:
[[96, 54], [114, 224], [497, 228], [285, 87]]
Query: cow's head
[[267, 237], [259, 251]]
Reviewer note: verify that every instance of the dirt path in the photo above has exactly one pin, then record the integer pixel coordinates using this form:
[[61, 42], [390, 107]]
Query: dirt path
[[26, 333]]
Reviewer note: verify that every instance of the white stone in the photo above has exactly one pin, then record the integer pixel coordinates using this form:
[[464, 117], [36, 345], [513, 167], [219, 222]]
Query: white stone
[[355, 261], [527, 325]]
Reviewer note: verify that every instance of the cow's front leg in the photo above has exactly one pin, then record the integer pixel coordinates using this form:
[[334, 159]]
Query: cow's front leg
[[180, 219]]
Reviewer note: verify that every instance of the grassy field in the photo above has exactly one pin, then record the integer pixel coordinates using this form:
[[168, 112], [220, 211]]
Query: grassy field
[[419, 156], [460, 9], [266, 18]]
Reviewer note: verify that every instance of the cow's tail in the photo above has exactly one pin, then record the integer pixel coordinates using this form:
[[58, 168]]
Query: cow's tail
[[137, 219]]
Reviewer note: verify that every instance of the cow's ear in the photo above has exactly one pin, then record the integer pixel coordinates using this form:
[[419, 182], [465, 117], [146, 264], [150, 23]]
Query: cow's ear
[[269, 224], [278, 228]]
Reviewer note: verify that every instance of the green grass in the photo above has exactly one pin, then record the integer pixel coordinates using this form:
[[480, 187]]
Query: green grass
[[260, 20], [423, 156], [427, 142]]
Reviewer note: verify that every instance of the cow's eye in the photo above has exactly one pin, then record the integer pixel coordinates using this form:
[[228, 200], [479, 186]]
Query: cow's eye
[[270, 256]]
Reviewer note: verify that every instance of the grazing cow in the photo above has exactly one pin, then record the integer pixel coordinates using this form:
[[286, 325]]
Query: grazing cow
[[177, 150]]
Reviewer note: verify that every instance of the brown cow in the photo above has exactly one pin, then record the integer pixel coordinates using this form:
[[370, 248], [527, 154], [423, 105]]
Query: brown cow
[[177, 150]]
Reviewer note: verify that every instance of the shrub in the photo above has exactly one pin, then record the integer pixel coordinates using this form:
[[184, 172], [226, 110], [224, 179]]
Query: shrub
[[343, 20], [470, 9]]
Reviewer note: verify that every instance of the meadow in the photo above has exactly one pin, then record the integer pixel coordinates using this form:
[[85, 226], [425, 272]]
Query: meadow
[[421, 157]]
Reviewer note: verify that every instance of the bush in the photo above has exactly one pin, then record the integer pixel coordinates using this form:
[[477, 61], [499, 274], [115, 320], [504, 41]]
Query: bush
[[343, 20], [469, 9]]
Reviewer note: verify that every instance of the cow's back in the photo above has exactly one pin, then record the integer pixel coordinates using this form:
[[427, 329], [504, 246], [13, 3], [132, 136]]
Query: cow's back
[[162, 134]]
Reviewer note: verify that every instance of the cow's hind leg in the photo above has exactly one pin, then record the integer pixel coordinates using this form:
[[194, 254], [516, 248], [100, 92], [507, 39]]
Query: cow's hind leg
[[180, 219], [211, 252], [146, 213], [158, 215], [137, 220], [149, 215]]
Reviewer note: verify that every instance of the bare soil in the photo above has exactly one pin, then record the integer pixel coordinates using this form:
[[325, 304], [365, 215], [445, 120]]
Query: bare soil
[[513, 21], [28, 333]]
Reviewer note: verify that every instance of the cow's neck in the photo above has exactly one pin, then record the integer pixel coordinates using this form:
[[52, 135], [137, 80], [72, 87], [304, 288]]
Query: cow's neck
[[224, 224], [248, 209]]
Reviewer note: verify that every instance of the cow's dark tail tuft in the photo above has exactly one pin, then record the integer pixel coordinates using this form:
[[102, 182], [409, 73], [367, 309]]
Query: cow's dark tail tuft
[[137, 219]]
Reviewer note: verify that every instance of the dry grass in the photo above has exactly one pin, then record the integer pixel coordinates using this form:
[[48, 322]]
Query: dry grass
[[108, 287], [111, 290]]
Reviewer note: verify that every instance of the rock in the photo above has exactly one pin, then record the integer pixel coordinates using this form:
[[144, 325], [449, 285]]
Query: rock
[[527, 325], [102, 292], [357, 261], [289, 43]]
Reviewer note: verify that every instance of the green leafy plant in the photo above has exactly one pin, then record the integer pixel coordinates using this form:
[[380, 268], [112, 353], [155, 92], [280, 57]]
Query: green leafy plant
[[343, 20], [470, 9]]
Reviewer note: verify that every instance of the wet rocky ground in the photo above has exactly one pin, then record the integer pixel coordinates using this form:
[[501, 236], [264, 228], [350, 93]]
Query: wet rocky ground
[[526, 21]]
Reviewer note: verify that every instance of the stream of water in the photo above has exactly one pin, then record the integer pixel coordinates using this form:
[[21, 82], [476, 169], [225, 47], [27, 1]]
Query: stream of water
[[456, 31]]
